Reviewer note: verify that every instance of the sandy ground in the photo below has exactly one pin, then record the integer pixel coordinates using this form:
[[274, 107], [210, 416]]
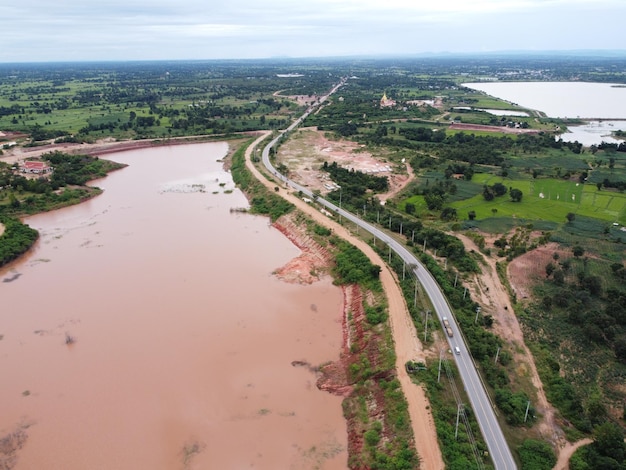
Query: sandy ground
[[407, 345], [566, 453], [306, 150], [1, 229]]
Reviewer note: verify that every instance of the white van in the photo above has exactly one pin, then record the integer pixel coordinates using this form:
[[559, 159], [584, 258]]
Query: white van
[[457, 350]]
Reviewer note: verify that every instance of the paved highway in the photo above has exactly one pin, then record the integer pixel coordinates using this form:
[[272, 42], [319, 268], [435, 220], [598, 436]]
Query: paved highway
[[494, 438]]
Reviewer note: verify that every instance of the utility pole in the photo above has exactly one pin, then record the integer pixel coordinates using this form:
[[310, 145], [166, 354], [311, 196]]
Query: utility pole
[[413, 237], [456, 278], [458, 414], [497, 354], [340, 191], [415, 296], [400, 228], [426, 325], [527, 408], [439, 371], [389, 254], [424, 249], [403, 269], [477, 312]]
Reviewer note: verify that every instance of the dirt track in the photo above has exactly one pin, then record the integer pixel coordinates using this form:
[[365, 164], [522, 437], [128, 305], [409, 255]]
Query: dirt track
[[407, 345]]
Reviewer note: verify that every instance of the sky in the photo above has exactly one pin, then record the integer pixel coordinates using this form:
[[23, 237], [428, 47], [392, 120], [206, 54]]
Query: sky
[[95, 30]]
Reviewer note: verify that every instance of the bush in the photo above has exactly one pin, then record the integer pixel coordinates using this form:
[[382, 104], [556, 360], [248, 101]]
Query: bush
[[536, 455]]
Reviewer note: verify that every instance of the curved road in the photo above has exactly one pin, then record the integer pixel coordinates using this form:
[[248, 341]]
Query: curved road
[[494, 438]]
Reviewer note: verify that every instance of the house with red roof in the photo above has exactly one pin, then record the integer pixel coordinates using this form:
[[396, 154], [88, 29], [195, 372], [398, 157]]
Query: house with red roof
[[35, 167]]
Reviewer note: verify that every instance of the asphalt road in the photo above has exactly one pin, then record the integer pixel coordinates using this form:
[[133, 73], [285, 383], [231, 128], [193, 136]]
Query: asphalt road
[[483, 411]]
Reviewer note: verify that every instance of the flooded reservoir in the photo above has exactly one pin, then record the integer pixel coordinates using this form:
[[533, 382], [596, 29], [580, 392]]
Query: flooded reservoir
[[146, 330]]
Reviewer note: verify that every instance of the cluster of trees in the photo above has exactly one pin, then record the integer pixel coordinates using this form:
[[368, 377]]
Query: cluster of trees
[[519, 242], [499, 189], [355, 185], [77, 169], [458, 169], [16, 239], [618, 147], [435, 195], [353, 267], [619, 185], [28, 196], [595, 316], [608, 450]]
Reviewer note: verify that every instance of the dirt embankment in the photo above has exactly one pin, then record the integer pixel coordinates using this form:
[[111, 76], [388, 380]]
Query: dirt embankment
[[101, 147], [406, 343], [481, 127]]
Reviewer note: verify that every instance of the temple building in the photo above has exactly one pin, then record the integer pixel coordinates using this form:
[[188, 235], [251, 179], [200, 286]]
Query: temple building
[[386, 102]]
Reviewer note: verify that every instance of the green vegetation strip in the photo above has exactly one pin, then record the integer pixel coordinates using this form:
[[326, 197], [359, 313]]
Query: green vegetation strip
[[262, 201], [16, 239]]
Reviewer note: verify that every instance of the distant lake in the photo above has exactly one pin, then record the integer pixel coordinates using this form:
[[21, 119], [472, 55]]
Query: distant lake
[[592, 101]]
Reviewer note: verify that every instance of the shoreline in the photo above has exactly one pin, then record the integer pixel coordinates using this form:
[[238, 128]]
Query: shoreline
[[407, 345], [108, 146]]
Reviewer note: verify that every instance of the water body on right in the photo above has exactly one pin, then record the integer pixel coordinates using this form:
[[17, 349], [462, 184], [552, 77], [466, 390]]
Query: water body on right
[[603, 105]]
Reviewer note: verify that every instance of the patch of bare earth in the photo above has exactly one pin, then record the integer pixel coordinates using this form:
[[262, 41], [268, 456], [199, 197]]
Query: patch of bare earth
[[307, 150], [311, 264], [526, 270]]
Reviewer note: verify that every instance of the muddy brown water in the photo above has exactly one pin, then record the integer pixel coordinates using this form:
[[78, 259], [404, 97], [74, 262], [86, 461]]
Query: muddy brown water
[[182, 338]]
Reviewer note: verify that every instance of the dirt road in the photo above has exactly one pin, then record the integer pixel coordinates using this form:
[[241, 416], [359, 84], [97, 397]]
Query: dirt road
[[495, 301], [566, 453], [407, 345]]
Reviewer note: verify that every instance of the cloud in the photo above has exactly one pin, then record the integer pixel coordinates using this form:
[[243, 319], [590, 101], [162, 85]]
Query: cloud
[[162, 29]]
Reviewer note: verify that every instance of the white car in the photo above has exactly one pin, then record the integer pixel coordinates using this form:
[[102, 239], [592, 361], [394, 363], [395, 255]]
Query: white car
[[457, 350]]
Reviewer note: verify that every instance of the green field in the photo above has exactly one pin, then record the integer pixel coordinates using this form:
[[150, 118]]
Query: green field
[[548, 200]]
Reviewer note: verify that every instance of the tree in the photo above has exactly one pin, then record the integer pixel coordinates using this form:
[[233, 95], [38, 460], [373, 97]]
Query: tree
[[409, 208], [516, 194], [570, 217], [499, 189], [434, 201], [550, 269], [536, 455], [609, 441], [578, 251], [488, 193], [559, 277], [471, 215], [448, 214]]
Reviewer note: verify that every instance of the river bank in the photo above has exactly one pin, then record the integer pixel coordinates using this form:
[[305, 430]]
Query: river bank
[[407, 345], [178, 369]]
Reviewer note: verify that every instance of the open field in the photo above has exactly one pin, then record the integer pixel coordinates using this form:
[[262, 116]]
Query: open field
[[547, 200]]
